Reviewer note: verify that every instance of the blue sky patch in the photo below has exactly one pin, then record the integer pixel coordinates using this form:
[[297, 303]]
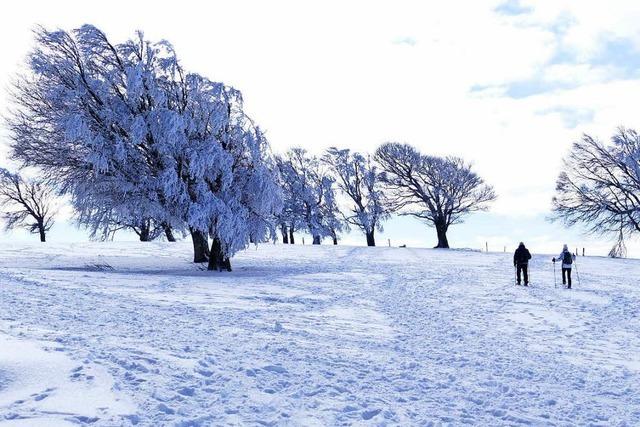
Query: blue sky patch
[[512, 8], [571, 117]]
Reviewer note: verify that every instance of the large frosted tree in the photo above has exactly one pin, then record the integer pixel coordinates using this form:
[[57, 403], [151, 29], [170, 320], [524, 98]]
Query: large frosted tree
[[132, 137], [437, 190], [359, 179]]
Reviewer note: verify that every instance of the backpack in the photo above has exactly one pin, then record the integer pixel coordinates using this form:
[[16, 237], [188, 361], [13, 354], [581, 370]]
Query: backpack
[[567, 258]]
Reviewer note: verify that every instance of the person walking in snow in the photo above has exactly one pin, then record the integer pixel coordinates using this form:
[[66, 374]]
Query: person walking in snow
[[521, 259], [567, 259]]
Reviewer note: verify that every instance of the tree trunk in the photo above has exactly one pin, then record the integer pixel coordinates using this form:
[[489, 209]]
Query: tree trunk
[[441, 229], [335, 240], [42, 232], [145, 232], [371, 240], [316, 240], [217, 259], [168, 232], [200, 246], [291, 239], [215, 255], [285, 236]]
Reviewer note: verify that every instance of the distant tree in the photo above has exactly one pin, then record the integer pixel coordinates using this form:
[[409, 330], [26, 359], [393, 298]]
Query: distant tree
[[28, 201], [439, 191], [290, 218], [309, 196], [359, 179], [600, 185], [332, 216]]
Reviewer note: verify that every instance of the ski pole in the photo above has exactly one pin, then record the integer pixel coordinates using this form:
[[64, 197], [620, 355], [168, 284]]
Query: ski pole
[[577, 273], [555, 285]]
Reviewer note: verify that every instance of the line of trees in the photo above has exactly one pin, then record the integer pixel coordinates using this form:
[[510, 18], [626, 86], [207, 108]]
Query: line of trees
[[139, 143], [397, 179]]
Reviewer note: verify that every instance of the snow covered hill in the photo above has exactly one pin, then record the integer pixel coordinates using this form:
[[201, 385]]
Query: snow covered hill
[[134, 334]]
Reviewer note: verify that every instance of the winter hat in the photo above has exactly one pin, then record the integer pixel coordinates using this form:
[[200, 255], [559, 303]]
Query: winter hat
[[521, 244], [565, 247]]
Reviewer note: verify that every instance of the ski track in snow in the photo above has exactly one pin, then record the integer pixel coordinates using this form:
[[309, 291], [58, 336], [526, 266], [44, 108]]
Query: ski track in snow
[[133, 334]]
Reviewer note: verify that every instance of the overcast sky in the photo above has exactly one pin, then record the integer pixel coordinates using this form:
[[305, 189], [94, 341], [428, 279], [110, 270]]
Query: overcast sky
[[507, 85]]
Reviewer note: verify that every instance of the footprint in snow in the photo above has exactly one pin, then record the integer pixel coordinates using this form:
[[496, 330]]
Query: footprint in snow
[[165, 409], [187, 391], [204, 372], [275, 368], [367, 415]]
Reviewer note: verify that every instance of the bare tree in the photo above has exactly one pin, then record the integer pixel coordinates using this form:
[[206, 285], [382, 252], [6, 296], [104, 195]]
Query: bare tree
[[439, 191], [600, 185], [29, 203]]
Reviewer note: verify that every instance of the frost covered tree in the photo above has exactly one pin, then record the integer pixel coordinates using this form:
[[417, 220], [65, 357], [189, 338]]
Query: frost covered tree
[[600, 185], [28, 203], [309, 196], [132, 137], [290, 218], [439, 191], [359, 179]]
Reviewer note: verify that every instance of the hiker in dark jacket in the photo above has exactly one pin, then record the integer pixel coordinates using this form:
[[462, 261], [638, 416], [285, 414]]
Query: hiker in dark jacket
[[567, 259], [521, 259]]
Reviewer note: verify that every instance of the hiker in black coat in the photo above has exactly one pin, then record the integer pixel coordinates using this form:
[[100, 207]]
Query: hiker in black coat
[[521, 259]]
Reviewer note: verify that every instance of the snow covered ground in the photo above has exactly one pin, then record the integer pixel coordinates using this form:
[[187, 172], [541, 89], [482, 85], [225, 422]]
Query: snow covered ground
[[134, 334]]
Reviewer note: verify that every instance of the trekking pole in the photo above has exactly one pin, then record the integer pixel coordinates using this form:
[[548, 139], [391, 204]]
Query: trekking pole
[[555, 285], [577, 273]]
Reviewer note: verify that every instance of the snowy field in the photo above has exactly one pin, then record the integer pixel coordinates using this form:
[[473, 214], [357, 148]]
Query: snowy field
[[108, 334]]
